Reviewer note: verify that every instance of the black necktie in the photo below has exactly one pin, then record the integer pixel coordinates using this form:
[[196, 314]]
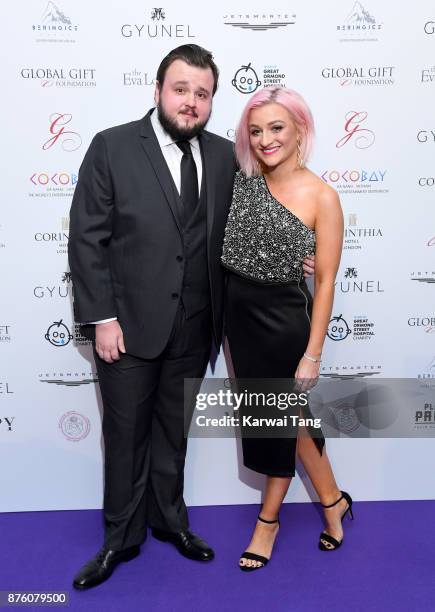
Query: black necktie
[[189, 179]]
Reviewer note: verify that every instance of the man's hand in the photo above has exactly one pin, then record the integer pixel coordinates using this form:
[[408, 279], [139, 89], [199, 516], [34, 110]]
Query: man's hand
[[308, 266], [109, 341]]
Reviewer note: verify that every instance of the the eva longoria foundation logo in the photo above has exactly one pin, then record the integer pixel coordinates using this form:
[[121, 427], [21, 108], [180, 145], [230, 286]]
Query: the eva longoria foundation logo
[[356, 132], [67, 139], [138, 78], [55, 25], [259, 21]]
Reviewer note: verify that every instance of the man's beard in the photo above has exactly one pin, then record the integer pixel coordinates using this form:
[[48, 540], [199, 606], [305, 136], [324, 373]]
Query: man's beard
[[174, 130]]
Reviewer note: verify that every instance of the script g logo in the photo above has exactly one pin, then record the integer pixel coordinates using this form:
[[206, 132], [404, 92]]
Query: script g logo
[[363, 138], [429, 27], [70, 141]]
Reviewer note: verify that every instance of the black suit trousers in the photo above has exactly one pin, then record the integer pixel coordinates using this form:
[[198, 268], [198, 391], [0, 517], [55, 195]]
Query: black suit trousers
[[143, 430]]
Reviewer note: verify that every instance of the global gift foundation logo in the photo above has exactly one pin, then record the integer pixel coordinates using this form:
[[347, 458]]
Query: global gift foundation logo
[[426, 323], [55, 25], [74, 426], [61, 136], [60, 77], [359, 25], [356, 132], [359, 76], [260, 21]]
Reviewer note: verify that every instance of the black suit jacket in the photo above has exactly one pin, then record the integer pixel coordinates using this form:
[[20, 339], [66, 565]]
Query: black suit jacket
[[125, 241]]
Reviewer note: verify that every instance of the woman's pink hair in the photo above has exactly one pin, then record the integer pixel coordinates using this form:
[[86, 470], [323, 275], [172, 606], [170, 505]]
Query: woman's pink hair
[[297, 108]]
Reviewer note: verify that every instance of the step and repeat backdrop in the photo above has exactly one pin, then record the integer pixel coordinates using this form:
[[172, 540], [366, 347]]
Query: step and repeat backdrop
[[72, 68]]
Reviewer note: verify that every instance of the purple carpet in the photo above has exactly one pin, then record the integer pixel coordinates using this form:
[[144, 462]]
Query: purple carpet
[[386, 562]]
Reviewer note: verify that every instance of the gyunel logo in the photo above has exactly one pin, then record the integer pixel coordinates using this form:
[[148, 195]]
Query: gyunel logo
[[157, 28]]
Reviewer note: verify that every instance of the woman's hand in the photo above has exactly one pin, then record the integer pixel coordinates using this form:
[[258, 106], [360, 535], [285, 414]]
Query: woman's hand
[[307, 374]]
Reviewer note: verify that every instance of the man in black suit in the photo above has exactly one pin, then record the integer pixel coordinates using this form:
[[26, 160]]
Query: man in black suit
[[146, 231]]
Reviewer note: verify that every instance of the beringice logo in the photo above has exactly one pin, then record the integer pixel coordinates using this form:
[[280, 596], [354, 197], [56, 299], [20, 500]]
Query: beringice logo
[[338, 329], [359, 16], [74, 426], [55, 23], [53, 14], [157, 14], [359, 24], [58, 334], [259, 22], [67, 139], [362, 137], [246, 80]]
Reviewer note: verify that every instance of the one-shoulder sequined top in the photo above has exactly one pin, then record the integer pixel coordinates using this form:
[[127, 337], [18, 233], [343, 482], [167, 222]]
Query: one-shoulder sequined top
[[264, 240]]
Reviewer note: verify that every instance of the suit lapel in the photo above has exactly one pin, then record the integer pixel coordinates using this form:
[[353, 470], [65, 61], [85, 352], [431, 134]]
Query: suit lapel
[[209, 177], [152, 150]]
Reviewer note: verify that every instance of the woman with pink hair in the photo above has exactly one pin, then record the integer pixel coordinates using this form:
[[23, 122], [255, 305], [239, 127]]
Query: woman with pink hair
[[281, 212]]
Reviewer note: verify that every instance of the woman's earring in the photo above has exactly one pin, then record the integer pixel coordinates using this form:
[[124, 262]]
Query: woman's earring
[[300, 159]]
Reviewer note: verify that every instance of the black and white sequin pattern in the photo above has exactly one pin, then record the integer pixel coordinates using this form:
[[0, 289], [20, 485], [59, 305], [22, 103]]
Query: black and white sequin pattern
[[263, 239]]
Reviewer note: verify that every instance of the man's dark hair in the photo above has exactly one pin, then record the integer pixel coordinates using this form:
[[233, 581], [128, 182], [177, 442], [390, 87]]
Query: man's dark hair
[[194, 55]]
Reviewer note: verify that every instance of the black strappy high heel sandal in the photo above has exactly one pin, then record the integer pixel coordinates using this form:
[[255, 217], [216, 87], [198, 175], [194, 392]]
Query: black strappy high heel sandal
[[328, 538], [253, 556]]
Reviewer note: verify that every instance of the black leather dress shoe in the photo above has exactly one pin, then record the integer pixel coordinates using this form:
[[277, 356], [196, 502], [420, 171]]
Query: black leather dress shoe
[[101, 567], [187, 543]]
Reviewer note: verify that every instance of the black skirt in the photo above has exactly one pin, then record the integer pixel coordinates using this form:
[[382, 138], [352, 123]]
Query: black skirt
[[268, 328]]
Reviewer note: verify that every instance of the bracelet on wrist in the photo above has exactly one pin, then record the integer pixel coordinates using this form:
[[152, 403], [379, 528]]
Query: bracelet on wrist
[[313, 359]]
